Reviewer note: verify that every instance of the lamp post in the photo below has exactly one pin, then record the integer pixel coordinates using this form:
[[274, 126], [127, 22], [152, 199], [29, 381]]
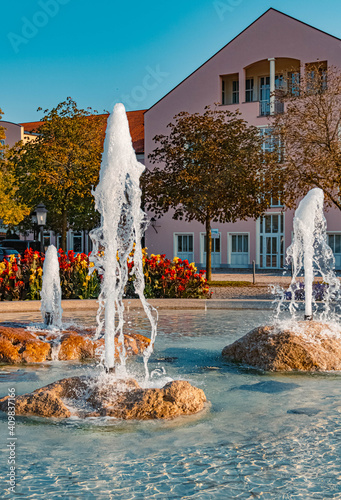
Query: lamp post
[[41, 213]]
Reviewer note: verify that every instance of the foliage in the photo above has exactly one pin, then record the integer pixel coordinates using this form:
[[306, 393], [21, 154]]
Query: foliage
[[210, 169], [168, 279], [309, 134], [11, 211], [60, 167]]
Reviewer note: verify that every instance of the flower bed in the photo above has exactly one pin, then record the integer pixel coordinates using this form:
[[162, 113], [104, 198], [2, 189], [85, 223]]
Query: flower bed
[[169, 279], [22, 279]]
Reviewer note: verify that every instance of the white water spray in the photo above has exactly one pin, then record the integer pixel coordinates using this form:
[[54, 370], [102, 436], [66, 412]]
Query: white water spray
[[118, 200], [51, 293], [310, 252]]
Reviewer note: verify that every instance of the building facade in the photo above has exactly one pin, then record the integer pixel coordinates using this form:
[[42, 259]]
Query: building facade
[[243, 75]]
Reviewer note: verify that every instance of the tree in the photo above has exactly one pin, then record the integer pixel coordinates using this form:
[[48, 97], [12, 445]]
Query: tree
[[60, 167], [210, 169], [309, 135], [11, 211]]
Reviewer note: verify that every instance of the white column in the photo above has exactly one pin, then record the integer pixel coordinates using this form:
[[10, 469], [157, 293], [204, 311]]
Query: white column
[[272, 85]]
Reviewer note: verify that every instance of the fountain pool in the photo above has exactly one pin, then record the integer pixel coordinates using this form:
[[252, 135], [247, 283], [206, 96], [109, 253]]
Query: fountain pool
[[266, 435]]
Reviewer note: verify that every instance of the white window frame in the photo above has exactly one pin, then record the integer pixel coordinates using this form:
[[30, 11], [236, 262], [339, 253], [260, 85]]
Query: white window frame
[[78, 235], [175, 242], [259, 234], [337, 233], [229, 245]]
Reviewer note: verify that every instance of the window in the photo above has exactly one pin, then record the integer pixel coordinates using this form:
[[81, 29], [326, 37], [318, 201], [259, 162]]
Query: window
[[240, 243], [294, 83], [235, 92], [230, 89], [334, 241], [271, 241], [264, 95], [238, 250], [316, 75], [215, 249], [184, 246], [223, 92], [215, 244], [47, 239], [77, 241], [249, 90], [268, 139]]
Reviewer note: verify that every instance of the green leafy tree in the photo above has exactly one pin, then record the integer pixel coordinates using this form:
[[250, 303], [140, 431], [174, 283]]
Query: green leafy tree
[[12, 212], [60, 167], [210, 168], [309, 134]]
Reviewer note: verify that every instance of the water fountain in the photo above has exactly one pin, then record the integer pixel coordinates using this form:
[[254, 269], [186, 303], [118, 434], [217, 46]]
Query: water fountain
[[51, 292], [118, 200], [113, 393], [294, 344]]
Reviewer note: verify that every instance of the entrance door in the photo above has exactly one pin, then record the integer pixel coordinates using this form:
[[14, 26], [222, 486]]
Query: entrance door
[[272, 241], [216, 250]]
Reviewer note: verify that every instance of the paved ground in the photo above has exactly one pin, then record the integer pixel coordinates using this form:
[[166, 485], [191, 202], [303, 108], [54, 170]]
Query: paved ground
[[261, 289]]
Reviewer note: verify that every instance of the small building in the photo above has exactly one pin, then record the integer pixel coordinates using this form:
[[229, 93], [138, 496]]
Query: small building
[[242, 75]]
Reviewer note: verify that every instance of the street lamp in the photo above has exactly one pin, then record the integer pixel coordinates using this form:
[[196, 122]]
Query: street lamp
[[41, 213]]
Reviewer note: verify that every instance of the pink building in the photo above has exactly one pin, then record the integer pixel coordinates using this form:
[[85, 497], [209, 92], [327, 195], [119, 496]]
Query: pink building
[[243, 75]]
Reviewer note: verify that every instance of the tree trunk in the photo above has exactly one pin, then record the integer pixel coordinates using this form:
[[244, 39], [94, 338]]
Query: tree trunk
[[64, 229], [208, 249]]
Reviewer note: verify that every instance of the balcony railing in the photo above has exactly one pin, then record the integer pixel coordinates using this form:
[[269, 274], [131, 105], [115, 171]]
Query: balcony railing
[[264, 107]]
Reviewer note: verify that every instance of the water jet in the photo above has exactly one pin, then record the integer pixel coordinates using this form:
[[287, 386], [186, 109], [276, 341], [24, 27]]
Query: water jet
[[315, 343]]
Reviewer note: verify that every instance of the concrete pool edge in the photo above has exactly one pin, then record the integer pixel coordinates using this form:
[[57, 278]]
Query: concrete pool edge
[[131, 304]]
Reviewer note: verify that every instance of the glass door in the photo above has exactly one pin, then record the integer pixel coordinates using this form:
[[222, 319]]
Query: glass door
[[272, 241], [216, 250], [264, 95]]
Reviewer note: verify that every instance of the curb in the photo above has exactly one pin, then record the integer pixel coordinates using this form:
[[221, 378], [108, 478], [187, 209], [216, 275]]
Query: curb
[[135, 304]]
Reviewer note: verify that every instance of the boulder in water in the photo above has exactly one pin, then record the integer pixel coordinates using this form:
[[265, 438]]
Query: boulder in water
[[301, 346], [123, 399]]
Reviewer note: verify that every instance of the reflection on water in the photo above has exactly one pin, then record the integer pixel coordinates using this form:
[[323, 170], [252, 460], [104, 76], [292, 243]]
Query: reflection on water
[[269, 436]]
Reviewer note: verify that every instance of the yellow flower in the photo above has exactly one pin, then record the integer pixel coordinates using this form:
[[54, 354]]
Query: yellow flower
[[40, 271], [91, 264], [87, 278]]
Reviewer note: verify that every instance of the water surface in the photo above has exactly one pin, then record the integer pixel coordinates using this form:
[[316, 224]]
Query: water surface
[[268, 436]]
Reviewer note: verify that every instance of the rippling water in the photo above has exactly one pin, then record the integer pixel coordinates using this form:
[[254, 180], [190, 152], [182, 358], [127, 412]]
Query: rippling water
[[266, 436]]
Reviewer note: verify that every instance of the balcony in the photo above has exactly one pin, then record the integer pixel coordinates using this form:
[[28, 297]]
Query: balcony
[[264, 107]]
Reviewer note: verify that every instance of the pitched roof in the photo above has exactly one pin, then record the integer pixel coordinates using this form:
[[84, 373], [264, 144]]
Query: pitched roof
[[271, 9], [136, 126]]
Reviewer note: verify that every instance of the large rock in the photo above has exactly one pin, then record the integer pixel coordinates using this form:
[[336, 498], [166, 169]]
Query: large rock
[[18, 345], [305, 346], [123, 399]]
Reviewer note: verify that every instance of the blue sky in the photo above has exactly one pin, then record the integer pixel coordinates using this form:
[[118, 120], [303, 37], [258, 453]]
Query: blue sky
[[104, 52]]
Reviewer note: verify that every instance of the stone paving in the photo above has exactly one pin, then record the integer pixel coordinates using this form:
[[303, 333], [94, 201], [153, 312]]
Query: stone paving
[[259, 290]]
